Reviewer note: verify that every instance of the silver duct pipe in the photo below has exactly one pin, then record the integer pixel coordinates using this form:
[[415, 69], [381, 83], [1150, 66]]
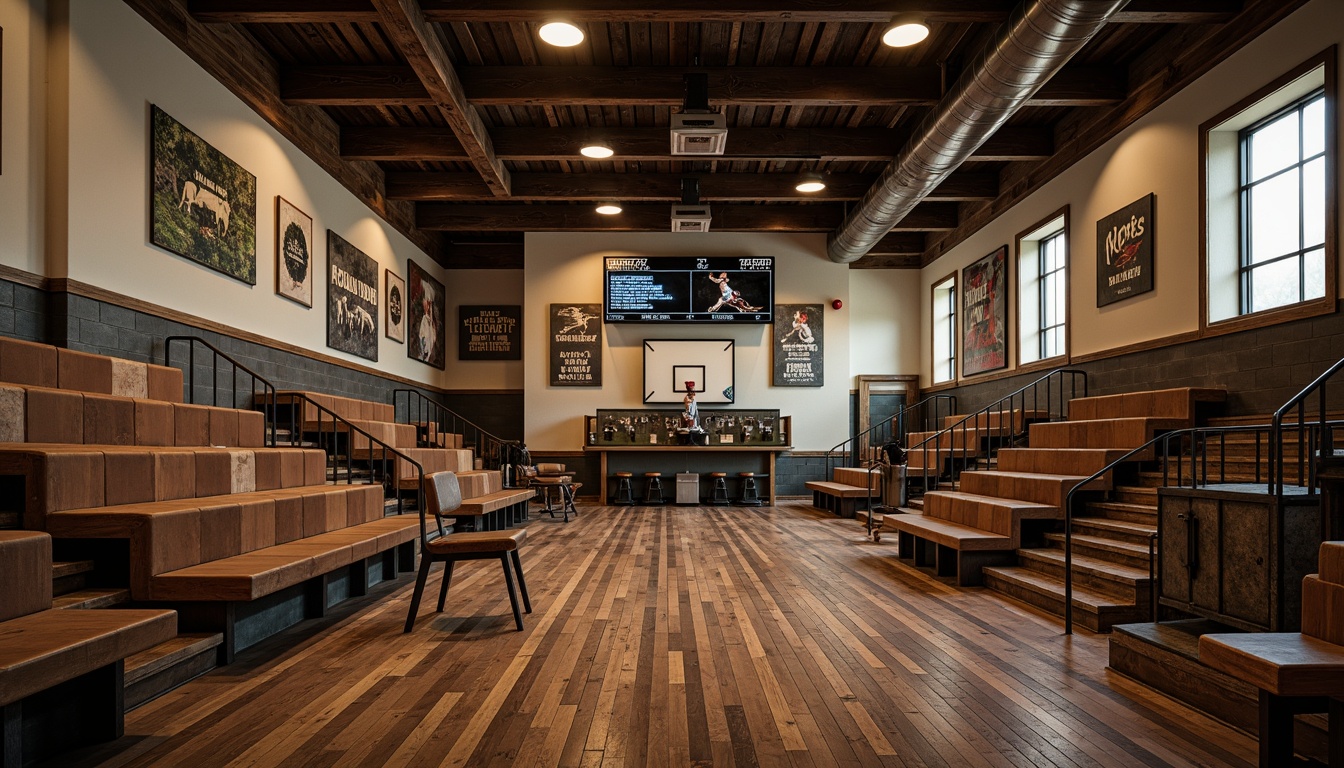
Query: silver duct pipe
[[1038, 38]]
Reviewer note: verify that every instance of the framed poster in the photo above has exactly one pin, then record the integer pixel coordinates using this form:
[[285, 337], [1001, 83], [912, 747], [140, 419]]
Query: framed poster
[[489, 332], [293, 252], [576, 345], [396, 307], [984, 314], [1125, 252], [424, 312], [799, 346], [202, 204], [352, 299]]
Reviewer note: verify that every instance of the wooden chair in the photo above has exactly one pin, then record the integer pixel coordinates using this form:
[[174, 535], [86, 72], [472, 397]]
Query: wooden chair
[[441, 497]]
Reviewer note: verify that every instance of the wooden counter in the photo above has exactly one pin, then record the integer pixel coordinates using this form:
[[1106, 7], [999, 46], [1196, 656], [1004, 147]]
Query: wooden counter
[[671, 459]]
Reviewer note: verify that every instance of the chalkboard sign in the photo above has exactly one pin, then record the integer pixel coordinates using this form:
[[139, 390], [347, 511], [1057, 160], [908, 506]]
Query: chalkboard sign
[[489, 332], [576, 345]]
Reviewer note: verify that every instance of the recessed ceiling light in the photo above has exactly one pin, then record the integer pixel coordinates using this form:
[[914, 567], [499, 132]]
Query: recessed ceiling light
[[905, 30], [608, 209], [561, 34], [597, 150], [810, 182]]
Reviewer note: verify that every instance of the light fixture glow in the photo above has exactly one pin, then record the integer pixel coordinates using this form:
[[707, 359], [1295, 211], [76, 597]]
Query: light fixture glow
[[608, 209], [905, 30], [596, 150], [810, 182], [561, 34]]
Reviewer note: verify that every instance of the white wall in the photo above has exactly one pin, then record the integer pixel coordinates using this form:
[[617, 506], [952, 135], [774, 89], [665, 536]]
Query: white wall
[[567, 267], [884, 327], [1158, 154], [484, 286], [118, 66], [22, 135]]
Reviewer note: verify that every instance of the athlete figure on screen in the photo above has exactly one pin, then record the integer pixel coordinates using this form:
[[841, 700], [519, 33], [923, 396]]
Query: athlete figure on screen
[[729, 297]]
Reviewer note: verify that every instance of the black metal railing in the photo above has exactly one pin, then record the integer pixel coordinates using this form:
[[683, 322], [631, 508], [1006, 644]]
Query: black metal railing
[[349, 448], [1322, 441], [972, 441], [217, 362], [856, 451], [433, 419]]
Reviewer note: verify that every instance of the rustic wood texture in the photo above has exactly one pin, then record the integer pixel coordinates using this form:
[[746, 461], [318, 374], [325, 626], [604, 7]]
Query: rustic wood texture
[[674, 637]]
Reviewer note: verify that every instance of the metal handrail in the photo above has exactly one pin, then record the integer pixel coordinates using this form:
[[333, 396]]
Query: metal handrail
[[1327, 444], [422, 408], [268, 396], [1068, 380], [901, 420]]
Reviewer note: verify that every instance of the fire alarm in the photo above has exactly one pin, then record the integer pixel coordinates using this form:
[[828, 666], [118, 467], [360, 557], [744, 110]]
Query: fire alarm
[[836, 303]]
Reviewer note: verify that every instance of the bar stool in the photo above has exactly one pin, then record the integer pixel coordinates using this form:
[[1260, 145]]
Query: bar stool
[[749, 497], [624, 493], [719, 495], [653, 488]]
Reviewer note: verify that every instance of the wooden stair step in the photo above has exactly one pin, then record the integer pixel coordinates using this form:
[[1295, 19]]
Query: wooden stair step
[[1093, 609], [63, 569], [1028, 486], [169, 664], [1094, 573], [1135, 494], [1124, 530], [1117, 510], [92, 597], [1135, 555]]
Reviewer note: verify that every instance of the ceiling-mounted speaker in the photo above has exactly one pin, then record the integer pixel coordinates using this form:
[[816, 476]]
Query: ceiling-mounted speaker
[[690, 218]]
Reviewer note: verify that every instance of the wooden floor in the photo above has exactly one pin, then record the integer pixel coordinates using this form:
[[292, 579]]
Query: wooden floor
[[673, 637]]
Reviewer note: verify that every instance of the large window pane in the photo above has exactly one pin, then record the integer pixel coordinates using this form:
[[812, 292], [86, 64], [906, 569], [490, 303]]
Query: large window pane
[[1313, 203], [1274, 147], [1313, 128], [1274, 217], [1313, 268], [1059, 300], [1275, 285]]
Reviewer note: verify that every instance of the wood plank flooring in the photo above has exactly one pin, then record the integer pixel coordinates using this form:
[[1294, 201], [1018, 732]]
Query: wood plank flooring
[[676, 637]]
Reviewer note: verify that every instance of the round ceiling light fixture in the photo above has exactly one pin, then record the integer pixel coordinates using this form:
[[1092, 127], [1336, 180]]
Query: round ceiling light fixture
[[597, 150], [810, 182], [561, 34], [608, 209], [905, 30]]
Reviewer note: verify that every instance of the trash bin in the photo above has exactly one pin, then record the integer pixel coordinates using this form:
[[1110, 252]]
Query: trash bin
[[688, 488]]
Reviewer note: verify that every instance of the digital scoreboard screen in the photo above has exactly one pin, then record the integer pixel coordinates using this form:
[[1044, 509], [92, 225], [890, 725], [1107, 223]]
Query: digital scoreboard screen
[[689, 289]]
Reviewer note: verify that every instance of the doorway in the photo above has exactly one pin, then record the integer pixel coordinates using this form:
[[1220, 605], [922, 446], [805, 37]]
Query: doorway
[[880, 399]]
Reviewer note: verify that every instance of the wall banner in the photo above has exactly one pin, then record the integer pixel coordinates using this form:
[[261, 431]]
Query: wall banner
[[1125, 252], [576, 345], [799, 347], [984, 314], [489, 332]]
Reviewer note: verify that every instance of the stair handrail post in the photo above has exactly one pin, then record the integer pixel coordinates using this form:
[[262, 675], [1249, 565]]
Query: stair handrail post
[[1317, 386], [268, 390]]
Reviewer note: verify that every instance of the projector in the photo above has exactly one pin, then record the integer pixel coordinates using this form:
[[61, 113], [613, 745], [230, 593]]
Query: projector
[[699, 133], [690, 218]]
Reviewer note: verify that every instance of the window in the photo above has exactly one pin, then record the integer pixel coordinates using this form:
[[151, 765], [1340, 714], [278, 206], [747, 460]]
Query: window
[[945, 330], [1269, 226], [1282, 194], [1043, 256]]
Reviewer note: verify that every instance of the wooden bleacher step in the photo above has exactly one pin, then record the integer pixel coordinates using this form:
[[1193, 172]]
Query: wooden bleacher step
[[1133, 494], [160, 669], [1093, 608], [92, 597], [1120, 530], [1135, 555], [69, 576], [1116, 510], [9, 520], [1120, 581]]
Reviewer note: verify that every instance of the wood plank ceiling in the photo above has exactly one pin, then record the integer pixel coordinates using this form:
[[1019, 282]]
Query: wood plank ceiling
[[462, 128]]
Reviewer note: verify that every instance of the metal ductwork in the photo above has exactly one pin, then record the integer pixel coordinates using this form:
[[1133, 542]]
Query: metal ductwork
[[1039, 37]]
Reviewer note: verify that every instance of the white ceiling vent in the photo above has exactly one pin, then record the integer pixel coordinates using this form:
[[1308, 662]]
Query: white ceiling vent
[[699, 134], [690, 218]]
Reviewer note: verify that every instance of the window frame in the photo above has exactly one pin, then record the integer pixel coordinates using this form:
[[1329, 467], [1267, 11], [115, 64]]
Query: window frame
[[1030, 239], [1323, 305], [948, 284]]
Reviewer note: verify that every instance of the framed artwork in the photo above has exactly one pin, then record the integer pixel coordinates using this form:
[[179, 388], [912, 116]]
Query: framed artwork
[[1125, 252], [576, 345], [202, 204], [293, 252], [424, 312], [396, 307], [352, 299], [799, 346], [984, 314], [492, 332]]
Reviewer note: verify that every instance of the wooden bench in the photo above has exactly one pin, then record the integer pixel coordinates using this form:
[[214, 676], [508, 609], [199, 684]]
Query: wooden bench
[[838, 498], [61, 671], [951, 549], [494, 511]]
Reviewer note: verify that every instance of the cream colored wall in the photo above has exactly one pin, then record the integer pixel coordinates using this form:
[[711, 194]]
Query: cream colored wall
[[484, 286], [22, 136], [567, 267], [119, 65], [1158, 154], [884, 330]]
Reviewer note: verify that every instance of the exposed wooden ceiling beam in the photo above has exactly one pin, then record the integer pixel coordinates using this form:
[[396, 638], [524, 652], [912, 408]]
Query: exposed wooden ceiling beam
[[665, 86], [1011, 143], [405, 25], [488, 255], [815, 217], [899, 244], [688, 11], [636, 187]]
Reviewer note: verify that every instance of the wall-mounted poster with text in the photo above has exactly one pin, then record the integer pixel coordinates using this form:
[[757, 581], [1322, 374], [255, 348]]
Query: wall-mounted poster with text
[[576, 345], [202, 204], [396, 307], [424, 311], [799, 348], [1125, 252], [352, 299], [293, 252], [489, 332], [984, 314]]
